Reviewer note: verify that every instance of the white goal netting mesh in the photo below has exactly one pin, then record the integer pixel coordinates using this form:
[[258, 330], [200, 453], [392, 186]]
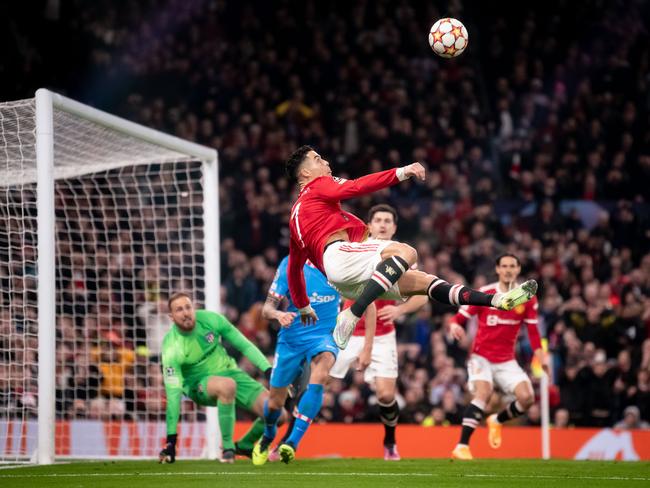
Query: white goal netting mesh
[[129, 232]]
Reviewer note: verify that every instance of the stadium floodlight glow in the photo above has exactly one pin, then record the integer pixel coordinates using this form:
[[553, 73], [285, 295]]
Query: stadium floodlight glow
[[100, 219]]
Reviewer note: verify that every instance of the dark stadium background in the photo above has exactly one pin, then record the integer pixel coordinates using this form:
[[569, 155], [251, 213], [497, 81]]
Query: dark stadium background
[[536, 139]]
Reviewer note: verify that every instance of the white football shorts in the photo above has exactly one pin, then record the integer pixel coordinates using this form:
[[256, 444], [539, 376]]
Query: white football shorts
[[383, 360], [349, 265], [506, 375]]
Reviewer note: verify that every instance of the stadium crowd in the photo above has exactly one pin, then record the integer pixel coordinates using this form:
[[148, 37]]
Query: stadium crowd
[[537, 142]]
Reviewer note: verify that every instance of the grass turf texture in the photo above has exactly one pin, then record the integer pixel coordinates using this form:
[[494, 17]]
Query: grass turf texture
[[330, 473]]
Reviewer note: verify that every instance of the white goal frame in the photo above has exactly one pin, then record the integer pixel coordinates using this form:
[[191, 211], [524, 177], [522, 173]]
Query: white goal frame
[[46, 102]]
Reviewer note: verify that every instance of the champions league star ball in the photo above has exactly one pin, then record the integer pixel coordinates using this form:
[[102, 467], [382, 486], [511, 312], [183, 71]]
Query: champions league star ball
[[448, 37]]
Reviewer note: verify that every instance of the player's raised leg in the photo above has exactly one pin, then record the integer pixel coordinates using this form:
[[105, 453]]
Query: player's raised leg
[[524, 399], [419, 283], [310, 403], [410, 282]]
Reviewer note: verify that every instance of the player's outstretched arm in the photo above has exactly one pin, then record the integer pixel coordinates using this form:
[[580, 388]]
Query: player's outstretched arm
[[412, 170], [243, 345], [340, 189]]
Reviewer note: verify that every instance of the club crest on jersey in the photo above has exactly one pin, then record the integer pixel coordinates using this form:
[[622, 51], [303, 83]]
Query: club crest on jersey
[[209, 337], [169, 371], [339, 180]]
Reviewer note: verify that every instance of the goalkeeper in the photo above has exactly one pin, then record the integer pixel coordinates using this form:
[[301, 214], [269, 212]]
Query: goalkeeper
[[196, 364]]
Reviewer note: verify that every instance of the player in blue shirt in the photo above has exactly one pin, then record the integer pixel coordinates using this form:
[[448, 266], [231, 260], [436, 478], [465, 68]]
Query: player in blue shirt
[[298, 345]]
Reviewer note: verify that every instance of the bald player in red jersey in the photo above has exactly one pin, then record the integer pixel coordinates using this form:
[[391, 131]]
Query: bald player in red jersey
[[380, 354], [492, 360], [360, 269]]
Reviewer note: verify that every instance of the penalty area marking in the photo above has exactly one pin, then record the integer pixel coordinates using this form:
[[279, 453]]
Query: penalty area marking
[[379, 475]]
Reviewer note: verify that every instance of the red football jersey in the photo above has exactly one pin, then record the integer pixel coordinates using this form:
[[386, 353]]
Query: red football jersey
[[317, 214], [498, 329], [383, 326]]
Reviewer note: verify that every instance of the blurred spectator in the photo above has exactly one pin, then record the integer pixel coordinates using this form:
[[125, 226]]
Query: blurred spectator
[[115, 364], [350, 407], [436, 418], [631, 420], [415, 407], [561, 418], [598, 381], [533, 416], [452, 410]]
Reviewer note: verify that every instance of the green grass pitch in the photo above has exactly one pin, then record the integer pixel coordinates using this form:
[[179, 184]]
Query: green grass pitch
[[330, 473]]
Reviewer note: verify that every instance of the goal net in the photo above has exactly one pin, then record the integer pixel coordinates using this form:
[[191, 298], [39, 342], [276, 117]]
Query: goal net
[[100, 221]]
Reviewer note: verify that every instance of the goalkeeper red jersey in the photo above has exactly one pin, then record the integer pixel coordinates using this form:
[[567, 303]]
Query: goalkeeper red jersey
[[498, 329], [317, 214]]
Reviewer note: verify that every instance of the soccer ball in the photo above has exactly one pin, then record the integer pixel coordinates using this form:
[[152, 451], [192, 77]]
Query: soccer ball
[[448, 37]]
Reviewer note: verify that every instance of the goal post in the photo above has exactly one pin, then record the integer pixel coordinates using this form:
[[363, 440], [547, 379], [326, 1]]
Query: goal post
[[46, 277], [91, 202]]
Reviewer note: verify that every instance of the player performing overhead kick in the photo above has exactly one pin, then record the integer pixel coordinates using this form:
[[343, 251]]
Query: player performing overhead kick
[[493, 357], [362, 270], [382, 371]]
